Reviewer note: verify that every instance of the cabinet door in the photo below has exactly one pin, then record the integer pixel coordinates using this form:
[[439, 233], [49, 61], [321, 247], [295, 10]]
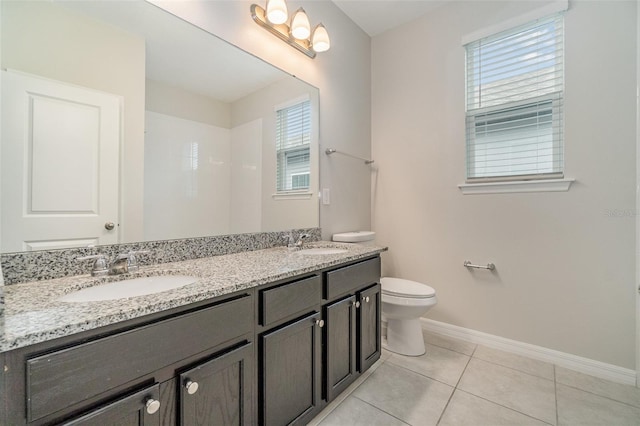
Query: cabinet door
[[218, 392], [340, 346], [138, 409], [290, 364], [368, 327]]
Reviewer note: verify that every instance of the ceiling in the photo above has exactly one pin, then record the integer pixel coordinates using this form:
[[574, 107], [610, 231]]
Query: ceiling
[[378, 16]]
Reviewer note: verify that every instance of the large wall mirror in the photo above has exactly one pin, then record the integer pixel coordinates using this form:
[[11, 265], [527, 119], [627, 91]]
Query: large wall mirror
[[124, 123]]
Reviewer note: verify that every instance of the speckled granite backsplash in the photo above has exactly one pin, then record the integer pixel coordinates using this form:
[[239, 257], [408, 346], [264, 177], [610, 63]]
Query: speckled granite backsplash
[[43, 265]]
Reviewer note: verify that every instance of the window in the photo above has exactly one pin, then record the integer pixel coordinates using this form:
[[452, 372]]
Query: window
[[293, 147], [514, 108]]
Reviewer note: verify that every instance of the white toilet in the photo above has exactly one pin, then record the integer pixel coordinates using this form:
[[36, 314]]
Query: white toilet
[[403, 303]]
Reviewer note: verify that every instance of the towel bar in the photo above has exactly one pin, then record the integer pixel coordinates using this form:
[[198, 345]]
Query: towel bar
[[489, 266]]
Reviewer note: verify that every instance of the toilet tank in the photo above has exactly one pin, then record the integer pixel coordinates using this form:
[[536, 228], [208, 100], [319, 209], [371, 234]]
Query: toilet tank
[[361, 237]]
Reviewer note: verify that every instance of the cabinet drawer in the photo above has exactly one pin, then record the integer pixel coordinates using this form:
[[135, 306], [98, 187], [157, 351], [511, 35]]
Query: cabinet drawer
[[280, 302], [129, 410], [72, 375], [347, 279]]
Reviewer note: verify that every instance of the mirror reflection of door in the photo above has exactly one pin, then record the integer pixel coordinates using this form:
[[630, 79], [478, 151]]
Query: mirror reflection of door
[[60, 156]]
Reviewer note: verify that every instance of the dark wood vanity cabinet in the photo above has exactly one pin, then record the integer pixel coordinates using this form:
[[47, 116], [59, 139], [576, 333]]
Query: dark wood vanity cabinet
[[135, 372], [273, 355], [316, 335], [289, 335], [352, 327], [352, 338]]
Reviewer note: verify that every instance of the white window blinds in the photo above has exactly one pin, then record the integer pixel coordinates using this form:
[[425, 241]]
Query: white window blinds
[[293, 142], [515, 82]]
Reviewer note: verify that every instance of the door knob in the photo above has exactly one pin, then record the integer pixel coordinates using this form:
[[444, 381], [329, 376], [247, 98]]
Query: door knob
[[320, 323], [191, 387], [366, 299], [152, 405], [109, 226], [356, 304]]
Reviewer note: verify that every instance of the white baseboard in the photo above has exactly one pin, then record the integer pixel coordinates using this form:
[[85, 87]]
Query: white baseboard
[[573, 362]]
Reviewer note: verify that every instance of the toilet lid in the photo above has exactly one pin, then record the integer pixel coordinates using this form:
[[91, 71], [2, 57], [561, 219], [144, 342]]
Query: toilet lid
[[354, 237], [406, 288]]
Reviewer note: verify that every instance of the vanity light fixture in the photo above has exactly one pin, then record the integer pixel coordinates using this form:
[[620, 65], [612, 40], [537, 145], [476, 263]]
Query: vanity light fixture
[[298, 33]]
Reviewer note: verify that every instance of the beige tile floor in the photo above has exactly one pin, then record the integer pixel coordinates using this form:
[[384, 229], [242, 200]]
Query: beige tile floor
[[459, 383]]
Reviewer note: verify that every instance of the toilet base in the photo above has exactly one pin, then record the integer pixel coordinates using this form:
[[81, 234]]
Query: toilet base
[[404, 337]]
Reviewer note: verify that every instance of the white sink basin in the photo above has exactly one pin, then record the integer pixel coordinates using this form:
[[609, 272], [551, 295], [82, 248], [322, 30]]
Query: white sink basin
[[318, 251], [129, 288]]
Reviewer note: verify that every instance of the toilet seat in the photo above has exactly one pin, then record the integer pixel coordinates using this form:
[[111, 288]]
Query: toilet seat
[[399, 287]]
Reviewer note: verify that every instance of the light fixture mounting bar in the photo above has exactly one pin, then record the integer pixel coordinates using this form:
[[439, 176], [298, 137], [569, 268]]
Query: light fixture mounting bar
[[281, 31]]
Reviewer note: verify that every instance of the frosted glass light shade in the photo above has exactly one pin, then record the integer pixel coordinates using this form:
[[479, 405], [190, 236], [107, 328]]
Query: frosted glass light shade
[[277, 11], [320, 41], [300, 27]]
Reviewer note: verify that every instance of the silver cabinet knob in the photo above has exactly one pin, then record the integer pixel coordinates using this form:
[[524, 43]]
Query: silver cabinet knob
[[109, 226], [191, 387], [356, 304], [366, 299], [152, 405], [320, 323]]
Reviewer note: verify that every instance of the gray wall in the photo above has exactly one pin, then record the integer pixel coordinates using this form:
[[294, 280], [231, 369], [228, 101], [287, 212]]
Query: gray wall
[[566, 268], [343, 77]]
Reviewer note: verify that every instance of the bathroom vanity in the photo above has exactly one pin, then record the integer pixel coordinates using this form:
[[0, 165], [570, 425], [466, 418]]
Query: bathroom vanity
[[264, 337]]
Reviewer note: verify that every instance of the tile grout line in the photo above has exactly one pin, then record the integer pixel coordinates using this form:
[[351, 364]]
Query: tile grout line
[[505, 407], [492, 362], [424, 375], [535, 375], [599, 395], [380, 409], [516, 369], [475, 345], [555, 384], [455, 388]]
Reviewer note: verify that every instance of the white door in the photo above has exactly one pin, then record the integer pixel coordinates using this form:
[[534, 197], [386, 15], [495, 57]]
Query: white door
[[59, 158]]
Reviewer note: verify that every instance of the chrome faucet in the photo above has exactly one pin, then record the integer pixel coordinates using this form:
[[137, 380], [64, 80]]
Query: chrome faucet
[[120, 265], [99, 268], [124, 262], [294, 244]]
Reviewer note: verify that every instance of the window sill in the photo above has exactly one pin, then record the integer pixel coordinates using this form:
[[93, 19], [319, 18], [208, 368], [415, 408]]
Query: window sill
[[550, 185], [292, 196]]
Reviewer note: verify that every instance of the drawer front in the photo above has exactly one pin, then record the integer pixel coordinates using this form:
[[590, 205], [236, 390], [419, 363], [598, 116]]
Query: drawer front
[[280, 302], [69, 376], [129, 410], [347, 279]]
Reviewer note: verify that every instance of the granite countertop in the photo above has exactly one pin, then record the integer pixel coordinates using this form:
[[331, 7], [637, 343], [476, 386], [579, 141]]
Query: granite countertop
[[33, 313]]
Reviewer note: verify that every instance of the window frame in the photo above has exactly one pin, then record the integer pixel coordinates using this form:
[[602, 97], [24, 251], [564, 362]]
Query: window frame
[[282, 153], [472, 116]]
